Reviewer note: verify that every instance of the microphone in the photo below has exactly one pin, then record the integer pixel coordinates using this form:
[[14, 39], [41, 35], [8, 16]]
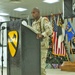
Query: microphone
[[3, 28]]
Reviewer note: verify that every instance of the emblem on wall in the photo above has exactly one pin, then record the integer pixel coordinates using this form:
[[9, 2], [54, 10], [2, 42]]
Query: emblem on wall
[[13, 42]]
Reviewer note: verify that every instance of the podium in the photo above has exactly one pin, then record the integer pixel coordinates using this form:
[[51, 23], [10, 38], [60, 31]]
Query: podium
[[27, 60]]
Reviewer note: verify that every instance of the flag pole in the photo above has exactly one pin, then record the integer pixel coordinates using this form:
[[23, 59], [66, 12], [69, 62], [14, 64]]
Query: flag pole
[[63, 8], [63, 18], [67, 56], [67, 53], [71, 51], [52, 17]]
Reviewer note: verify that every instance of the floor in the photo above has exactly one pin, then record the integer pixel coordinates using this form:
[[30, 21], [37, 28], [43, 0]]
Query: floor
[[58, 72], [49, 72]]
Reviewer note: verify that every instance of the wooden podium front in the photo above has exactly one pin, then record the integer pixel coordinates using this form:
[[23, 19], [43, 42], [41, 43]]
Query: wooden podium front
[[27, 58], [68, 66]]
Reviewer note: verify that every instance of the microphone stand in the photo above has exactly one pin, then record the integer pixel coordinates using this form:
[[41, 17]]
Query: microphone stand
[[2, 58]]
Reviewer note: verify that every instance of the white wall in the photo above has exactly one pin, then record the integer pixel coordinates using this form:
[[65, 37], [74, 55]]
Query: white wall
[[3, 19]]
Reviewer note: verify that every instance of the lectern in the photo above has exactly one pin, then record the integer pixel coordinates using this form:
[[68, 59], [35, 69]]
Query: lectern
[[27, 57]]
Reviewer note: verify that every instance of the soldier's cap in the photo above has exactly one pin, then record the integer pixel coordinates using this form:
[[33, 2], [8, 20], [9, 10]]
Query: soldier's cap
[[36, 9]]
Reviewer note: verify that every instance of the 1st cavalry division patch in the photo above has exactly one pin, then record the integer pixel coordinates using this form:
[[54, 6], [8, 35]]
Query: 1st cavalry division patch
[[13, 42]]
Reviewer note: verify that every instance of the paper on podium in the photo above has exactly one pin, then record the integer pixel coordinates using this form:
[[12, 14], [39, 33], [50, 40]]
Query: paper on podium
[[24, 23], [35, 31]]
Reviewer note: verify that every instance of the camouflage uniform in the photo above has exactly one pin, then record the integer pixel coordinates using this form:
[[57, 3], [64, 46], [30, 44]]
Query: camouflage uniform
[[43, 26]]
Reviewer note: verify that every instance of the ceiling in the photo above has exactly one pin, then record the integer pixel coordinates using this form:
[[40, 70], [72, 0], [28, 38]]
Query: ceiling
[[7, 6]]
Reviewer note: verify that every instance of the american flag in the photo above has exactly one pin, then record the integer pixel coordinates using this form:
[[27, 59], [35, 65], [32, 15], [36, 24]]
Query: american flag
[[57, 51]]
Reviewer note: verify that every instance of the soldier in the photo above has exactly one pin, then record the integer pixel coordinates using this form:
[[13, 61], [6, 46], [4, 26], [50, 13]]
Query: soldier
[[42, 25]]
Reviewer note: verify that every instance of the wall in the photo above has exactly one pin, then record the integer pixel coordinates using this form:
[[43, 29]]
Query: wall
[[4, 18]]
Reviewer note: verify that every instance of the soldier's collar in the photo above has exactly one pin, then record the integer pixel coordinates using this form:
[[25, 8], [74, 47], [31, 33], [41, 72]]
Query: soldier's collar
[[39, 19]]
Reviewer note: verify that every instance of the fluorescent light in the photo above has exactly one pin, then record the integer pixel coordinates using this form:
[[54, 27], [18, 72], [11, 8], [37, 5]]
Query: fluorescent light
[[4, 14], [20, 9], [51, 1], [15, 1]]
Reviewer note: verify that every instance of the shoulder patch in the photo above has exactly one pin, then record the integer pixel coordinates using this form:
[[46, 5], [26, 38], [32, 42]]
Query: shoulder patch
[[46, 19]]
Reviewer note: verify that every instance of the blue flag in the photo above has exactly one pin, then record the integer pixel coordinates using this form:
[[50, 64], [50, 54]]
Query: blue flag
[[69, 31]]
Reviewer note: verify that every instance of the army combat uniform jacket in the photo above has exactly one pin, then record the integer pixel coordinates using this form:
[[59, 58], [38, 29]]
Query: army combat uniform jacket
[[44, 27]]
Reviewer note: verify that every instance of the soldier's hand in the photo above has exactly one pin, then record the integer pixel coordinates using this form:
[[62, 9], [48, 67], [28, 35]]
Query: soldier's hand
[[39, 36]]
